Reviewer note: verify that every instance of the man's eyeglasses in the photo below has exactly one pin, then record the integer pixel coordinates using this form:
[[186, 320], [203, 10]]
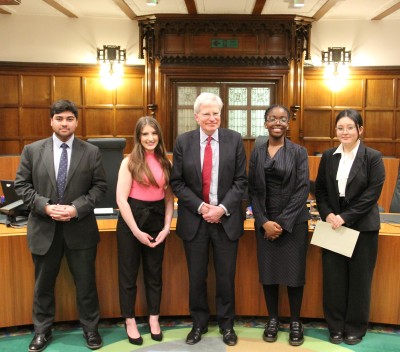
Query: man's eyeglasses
[[347, 129], [282, 120]]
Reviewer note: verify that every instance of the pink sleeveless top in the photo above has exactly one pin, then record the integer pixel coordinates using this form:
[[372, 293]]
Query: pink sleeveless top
[[150, 193]]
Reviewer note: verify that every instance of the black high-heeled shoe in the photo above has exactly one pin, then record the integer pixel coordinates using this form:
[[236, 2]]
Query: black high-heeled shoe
[[155, 337], [137, 341]]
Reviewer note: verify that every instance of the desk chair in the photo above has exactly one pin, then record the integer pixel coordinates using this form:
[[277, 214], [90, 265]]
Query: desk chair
[[112, 152]]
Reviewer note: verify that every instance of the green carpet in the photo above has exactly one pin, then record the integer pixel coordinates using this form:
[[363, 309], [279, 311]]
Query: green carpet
[[69, 339]]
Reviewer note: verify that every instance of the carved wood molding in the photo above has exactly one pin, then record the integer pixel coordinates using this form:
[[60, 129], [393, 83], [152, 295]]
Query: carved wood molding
[[275, 40], [254, 61]]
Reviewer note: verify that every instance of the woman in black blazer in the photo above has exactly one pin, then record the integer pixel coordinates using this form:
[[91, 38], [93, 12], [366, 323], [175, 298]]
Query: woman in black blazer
[[278, 190], [349, 183]]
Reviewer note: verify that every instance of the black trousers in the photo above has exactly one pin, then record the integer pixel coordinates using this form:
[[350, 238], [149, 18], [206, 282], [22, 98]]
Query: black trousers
[[81, 263], [347, 286], [224, 255], [149, 216]]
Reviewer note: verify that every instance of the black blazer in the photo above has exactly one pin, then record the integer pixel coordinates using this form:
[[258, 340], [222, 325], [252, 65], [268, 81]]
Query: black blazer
[[295, 186], [186, 181], [86, 185], [363, 188]]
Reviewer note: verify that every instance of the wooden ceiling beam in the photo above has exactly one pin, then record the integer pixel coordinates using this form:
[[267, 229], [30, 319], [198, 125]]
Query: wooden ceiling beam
[[126, 9], [325, 8], [387, 12], [258, 7], [191, 7], [10, 2], [4, 12], [60, 8]]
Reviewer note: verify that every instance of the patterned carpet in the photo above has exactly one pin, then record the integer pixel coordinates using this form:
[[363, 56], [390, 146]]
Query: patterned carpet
[[68, 338]]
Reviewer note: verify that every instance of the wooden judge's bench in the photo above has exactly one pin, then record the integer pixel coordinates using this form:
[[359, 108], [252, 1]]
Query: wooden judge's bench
[[17, 276]]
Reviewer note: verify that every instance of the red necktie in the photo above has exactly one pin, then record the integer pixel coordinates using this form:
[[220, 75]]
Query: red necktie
[[207, 167]]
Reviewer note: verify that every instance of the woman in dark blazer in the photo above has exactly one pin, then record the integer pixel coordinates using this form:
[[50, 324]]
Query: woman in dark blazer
[[278, 191], [348, 186]]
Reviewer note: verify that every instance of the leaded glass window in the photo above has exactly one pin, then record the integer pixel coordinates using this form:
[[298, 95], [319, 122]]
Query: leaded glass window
[[244, 105]]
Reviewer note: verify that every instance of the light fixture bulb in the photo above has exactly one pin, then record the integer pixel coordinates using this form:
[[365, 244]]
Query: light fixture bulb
[[152, 2], [298, 3]]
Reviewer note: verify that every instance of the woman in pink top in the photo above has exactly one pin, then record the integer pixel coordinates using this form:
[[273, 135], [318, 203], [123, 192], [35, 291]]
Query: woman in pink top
[[146, 206]]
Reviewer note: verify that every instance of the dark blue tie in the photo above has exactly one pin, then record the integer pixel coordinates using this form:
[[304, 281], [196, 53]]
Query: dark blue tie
[[62, 173]]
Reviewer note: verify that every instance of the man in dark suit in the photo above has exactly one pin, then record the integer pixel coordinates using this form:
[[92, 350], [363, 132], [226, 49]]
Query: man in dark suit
[[61, 220], [209, 211]]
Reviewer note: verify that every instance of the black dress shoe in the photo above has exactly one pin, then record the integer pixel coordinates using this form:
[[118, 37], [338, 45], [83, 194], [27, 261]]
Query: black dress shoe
[[352, 339], [93, 339], [194, 335], [271, 330], [296, 335], [40, 341], [156, 337], [137, 341], [336, 337], [229, 336]]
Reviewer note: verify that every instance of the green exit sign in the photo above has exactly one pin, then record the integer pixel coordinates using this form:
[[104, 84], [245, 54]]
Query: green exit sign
[[225, 43]]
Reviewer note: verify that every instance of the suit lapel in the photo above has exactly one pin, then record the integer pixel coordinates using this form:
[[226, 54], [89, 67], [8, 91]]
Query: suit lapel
[[357, 163], [194, 145], [334, 168], [223, 150], [76, 157], [47, 155], [289, 159]]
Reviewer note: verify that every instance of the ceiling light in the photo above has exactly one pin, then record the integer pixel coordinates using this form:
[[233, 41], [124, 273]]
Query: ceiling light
[[152, 2], [298, 3]]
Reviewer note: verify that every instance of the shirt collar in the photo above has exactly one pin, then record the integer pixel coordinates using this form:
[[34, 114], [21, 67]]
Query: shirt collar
[[57, 142], [203, 136], [352, 153]]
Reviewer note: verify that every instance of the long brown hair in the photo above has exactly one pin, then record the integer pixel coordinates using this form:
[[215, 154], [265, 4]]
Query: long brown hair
[[137, 158]]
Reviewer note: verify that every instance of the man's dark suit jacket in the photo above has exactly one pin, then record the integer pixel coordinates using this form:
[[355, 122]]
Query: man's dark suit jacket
[[186, 182], [363, 188], [36, 184], [295, 186]]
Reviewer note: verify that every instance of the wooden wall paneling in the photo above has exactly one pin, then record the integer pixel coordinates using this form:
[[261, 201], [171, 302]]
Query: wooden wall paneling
[[317, 123], [125, 122], [130, 92], [386, 271], [350, 95], [391, 172], [10, 147], [9, 90], [23, 281], [175, 271], [35, 123], [36, 90], [375, 125], [80, 130], [68, 87], [316, 94], [316, 147], [380, 93], [249, 294], [107, 276], [99, 122], [96, 94], [9, 123], [6, 299]]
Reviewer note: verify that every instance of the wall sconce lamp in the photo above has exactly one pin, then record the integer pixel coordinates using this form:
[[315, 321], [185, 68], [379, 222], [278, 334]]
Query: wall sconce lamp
[[337, 60], [152, 2], [111, 59]]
